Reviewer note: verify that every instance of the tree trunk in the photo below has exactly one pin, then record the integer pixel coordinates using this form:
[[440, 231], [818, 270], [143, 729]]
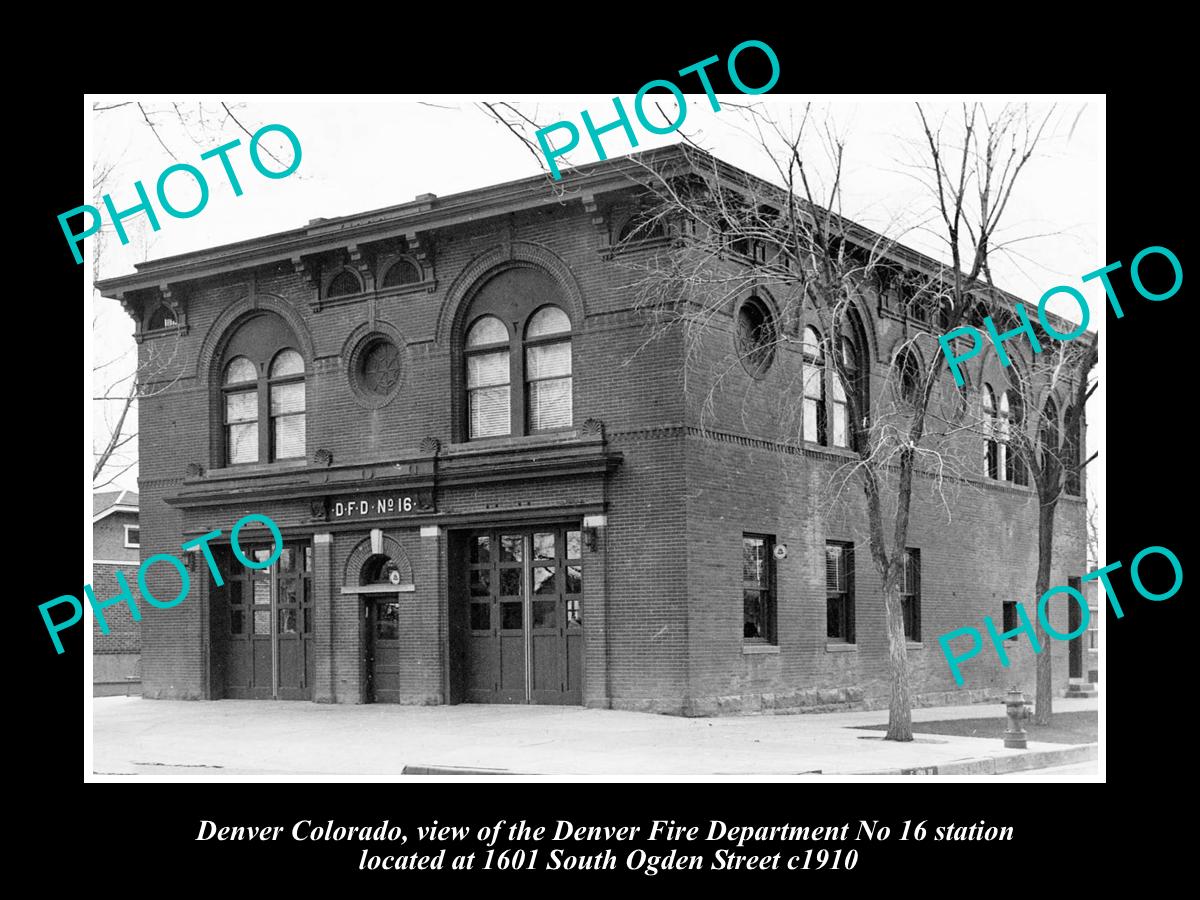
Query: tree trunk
[[900, 707], [1044, 702]]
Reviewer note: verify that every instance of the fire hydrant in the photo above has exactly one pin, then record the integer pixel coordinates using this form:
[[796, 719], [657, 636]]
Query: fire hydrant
[[1018, 708]]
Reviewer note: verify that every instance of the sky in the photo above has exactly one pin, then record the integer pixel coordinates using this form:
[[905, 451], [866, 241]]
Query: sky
[[365, 153]]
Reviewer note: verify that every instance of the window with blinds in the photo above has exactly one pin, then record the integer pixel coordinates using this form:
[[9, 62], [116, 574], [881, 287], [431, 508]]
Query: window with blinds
[[241, 411], [488, 379], [548, 370], [839, 590], [286, 385], [910, 594]]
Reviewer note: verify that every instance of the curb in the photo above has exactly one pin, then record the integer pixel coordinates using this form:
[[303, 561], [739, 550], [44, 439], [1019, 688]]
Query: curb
[[998, 765], [456, 770]]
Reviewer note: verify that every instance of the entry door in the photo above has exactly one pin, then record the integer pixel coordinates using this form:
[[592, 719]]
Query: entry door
[[383, 649], [525, 618], [269, 654]]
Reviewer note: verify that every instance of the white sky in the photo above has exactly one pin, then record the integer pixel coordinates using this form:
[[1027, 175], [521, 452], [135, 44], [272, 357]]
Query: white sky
[[362, 153]]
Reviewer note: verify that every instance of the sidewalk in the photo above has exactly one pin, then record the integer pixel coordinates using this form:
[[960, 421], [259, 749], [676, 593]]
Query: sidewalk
[[162, 738]]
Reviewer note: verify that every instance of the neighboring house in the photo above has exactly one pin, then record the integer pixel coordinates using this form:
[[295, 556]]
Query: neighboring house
[[492, 487], [115, 545]]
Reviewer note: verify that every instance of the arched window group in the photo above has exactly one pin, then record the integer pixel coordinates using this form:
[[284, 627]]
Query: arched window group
[[262, 394], [518, 376], [825, 405]]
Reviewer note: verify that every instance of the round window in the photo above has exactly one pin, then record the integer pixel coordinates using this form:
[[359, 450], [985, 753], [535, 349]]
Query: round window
[[379, 367], [755, 336]]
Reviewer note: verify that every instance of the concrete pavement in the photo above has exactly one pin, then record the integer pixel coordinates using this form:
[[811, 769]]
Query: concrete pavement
[[160, 738]]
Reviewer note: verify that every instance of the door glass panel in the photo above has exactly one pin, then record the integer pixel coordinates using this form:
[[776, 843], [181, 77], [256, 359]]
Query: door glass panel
[[545, 613], [287, 621], [543, 580], [574, 580], [307, 557], [235, 592], [510, 583], [289, 592], [262, 621], [262, 555], [387, 621], [510, 615], [511, 548], [262, 591], [481, 582], [574, 545], [307, 620], [481, 549], [543, 546], [574, 612], [481, 616], [287, 559], [237, 622]]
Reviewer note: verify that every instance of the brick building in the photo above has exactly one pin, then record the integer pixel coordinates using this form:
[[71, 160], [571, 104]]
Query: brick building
[[494, 485], [115, 545]]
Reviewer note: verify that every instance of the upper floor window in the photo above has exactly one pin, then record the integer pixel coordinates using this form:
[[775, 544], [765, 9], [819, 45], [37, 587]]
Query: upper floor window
[[908, 376], [344, 283], [1049, 434], [814, 423], [841, 431], [826, 407], [133, 536], [756, 337], [517, 359], [1073, 462], [1012, 418], [262, 394], [402, 272], [991, 427], [162, 317]]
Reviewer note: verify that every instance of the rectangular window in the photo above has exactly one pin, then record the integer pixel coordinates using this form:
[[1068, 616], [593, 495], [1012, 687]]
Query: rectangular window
[[839, 591], [548, 371], [758, 588], [814, 404], [910, 594], [241, 427], [1010, 617], [488, 411], [133, 536], [287, 420], [1094, 629]]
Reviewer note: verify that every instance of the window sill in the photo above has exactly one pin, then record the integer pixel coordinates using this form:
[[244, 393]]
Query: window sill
[[557, 436], [841, 648], [753, 649], [241, 469], [915, 645]]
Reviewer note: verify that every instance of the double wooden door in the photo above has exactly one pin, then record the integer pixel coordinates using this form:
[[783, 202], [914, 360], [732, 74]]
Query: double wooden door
[[524, 628]]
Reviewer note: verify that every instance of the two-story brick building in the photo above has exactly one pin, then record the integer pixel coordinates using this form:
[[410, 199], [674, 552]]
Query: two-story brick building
[[494, 484], [116, 542]]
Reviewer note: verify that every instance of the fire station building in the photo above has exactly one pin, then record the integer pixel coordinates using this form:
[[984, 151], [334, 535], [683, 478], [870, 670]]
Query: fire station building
[[495, 483]]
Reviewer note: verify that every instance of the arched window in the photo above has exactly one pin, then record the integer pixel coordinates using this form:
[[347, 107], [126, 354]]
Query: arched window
[[814, 424], [1049, 432], [548, 370], [286, 382], [1012, 408], [262, 394], [841, 431], [488, 379], [756, 337], [1002, 436], [163, 317], [908, 376], [343, 284], [402, 272], [991, 464], [240, 392], [1073, 462], [517, 357]]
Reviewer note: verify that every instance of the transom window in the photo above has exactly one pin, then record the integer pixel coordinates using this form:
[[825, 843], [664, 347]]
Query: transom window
[[517, 358]]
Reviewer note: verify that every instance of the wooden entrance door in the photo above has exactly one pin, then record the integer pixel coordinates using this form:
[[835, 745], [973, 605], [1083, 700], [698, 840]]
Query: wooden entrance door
[[269, 651], [524, 628], [383, 649]]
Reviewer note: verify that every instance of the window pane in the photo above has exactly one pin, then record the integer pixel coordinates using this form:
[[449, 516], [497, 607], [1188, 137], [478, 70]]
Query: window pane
[[574, 612], [287, 621], [543, 580], [262, 621], [833, 618], [481, 549], [488, 330], [550, 404], [243, 443], [574, 545], [289, 436], [840, 438], [753, 622], [481, 616], [481, 583], [387, 621], [510, 616], [510, 548], [548, 360], [812, 382], [574, 580], [545, 614], [241, 407], [240, 370], [487, 369], [547, 320], [235, 592], [403, 272], [489, 412], [288, 362], [810, 420], [510, 582], [287, 559], [752, 560], [543, 546], [287, 398], [262, 591], [308, 620], [237, 622], [810, 344], [835, 573]]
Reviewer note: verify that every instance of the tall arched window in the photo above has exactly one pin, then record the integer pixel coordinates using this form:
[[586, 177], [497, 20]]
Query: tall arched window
[[991, 459], [814, 423], [516, 357], [1012, 408], [262, 394], [1002, 436], [548, 370], [908, 375], [841, 430], [240, 400], [1049, 432], [1073, 462], [488, 379]]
